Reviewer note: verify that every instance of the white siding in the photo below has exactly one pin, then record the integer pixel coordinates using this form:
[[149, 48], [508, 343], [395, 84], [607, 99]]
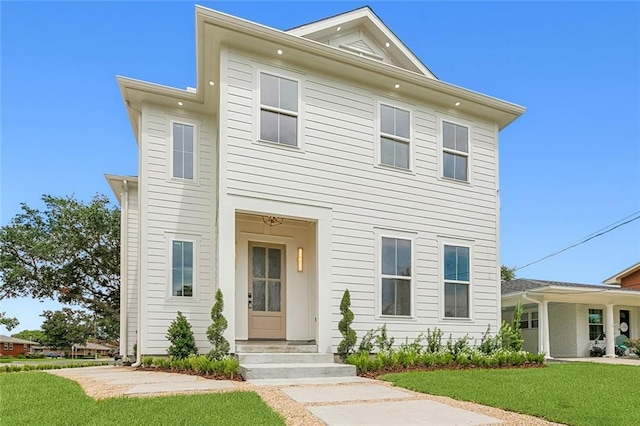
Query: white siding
[[173, 207], [132, 267], [565, 330], [336, 169]]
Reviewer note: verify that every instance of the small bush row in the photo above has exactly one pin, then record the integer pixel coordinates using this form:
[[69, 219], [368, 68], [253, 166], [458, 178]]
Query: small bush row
[[16, 368], [199, 364], [634, 346], [407, 359]]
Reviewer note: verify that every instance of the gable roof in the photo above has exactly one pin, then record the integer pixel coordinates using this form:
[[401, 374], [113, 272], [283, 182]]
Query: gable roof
[[617, 278], [15, 340], [216, 32], [373, 39]]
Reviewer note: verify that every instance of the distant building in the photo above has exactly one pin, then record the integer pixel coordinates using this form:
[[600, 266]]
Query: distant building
[[12, 346]]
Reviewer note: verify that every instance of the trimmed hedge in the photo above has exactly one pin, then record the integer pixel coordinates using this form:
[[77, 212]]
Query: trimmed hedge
[[36, 367], [202, 364]]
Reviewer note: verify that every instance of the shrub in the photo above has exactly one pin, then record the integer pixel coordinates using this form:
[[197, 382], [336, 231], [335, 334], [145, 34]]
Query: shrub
[[38, 367], [200, 364], [215, 332], [459, 346], [488, 344], [147, 361], [634, 346], [366, 344], [181, 337], [383, 342], [434, 340], [349, 336]]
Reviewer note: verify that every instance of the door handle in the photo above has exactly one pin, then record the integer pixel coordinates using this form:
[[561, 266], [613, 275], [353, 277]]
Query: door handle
[[250, 299]]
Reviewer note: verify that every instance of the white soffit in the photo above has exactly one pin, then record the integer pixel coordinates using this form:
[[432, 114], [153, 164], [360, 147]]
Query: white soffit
[[362, 33]]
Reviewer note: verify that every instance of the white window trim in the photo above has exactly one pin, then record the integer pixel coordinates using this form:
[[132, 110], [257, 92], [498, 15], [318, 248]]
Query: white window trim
[[196, 151], [440, 118], [379, 134], [277, 72], [170, 237], [531, 320], [401, 235], [457, 242], [589, 308]]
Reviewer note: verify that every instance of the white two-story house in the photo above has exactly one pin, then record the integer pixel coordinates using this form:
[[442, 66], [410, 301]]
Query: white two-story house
[[304, 163]]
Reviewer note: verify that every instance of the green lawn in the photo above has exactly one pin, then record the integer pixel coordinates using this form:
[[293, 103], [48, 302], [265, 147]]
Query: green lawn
[[575, 394], [34, 398]]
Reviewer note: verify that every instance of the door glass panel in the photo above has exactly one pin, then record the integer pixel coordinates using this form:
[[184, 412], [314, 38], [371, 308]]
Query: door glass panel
[[274, 263], [274, 296], [259, 262], [258, 295]]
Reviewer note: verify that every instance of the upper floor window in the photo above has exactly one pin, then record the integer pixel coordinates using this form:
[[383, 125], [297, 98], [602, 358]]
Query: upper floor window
[[456, 281], [395, 137], [182, 268], [455, 145], [396, 276], [278, 110], [183, 157]]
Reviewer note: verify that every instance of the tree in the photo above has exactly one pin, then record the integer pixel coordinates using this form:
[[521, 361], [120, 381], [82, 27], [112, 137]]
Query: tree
[[31, 335], [8, 322], [69, 251], [507, 274], [215, 332], [181, 337], [349, 335], [66, 327]]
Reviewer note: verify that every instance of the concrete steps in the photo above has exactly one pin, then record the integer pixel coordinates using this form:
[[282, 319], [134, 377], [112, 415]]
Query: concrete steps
[[287, 365], [275, 348]]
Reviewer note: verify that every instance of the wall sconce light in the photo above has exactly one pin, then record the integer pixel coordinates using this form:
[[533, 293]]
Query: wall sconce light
[[299, 259]]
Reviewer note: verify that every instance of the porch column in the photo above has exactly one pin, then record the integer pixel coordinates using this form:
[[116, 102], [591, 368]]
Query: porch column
[[609, 331], [544, 318], [324, 285]]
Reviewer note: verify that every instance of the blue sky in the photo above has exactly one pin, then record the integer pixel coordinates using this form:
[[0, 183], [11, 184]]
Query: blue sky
[[568, 167]]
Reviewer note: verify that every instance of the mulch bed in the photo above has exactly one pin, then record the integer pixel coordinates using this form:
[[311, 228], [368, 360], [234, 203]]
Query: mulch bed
[[235, 378]]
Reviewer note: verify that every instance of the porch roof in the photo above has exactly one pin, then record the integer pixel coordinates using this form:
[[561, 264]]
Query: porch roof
[[531, 290]]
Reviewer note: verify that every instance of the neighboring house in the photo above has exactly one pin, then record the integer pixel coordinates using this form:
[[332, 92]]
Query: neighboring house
[[307, 162], [565, 319], [629, 278], [12, 346], [90, 349]]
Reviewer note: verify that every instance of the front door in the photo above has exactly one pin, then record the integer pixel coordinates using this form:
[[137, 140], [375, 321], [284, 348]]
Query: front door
[[625, 323], [266, 291]]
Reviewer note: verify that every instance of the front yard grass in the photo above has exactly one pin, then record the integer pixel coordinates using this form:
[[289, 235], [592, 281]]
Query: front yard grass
[[34, 398], [574, 394]]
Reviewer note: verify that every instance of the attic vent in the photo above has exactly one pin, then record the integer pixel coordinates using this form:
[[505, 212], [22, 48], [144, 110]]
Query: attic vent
[[361, 45], [358, 51]]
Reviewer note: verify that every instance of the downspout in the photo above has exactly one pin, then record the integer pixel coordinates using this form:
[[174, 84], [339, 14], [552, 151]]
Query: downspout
[[124, 271]]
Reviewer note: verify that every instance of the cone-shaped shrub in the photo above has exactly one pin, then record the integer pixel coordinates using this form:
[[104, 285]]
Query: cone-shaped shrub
[[215, 332], [349, 335], [181, 337]]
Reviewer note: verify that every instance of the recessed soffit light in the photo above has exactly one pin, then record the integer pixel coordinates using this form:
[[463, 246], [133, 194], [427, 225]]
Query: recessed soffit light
[[279, 51], [180, 103], [397, 86], [338, 29], [387, 44], [211, 83], [458, 103]]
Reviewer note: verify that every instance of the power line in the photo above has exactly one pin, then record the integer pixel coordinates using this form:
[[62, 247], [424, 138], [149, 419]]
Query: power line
[[589, 237]]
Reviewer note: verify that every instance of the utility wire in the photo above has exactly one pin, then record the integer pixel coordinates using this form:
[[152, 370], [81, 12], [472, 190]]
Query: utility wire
[[596, 234]]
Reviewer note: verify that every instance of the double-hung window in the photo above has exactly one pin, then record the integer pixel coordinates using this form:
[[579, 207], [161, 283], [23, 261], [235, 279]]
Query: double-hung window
[[596, 324], [457, 281], [396, 275], [182, 268], [183, 153], [455, 155], [534, 319], [524, 321], [278, 110], [395, 137]]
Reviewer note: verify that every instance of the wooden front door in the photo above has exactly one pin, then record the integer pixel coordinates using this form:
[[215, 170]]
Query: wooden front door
[[266, 291]]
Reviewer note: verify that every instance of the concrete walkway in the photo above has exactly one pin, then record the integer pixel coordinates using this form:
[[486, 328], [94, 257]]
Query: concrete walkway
[[339, 401]]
